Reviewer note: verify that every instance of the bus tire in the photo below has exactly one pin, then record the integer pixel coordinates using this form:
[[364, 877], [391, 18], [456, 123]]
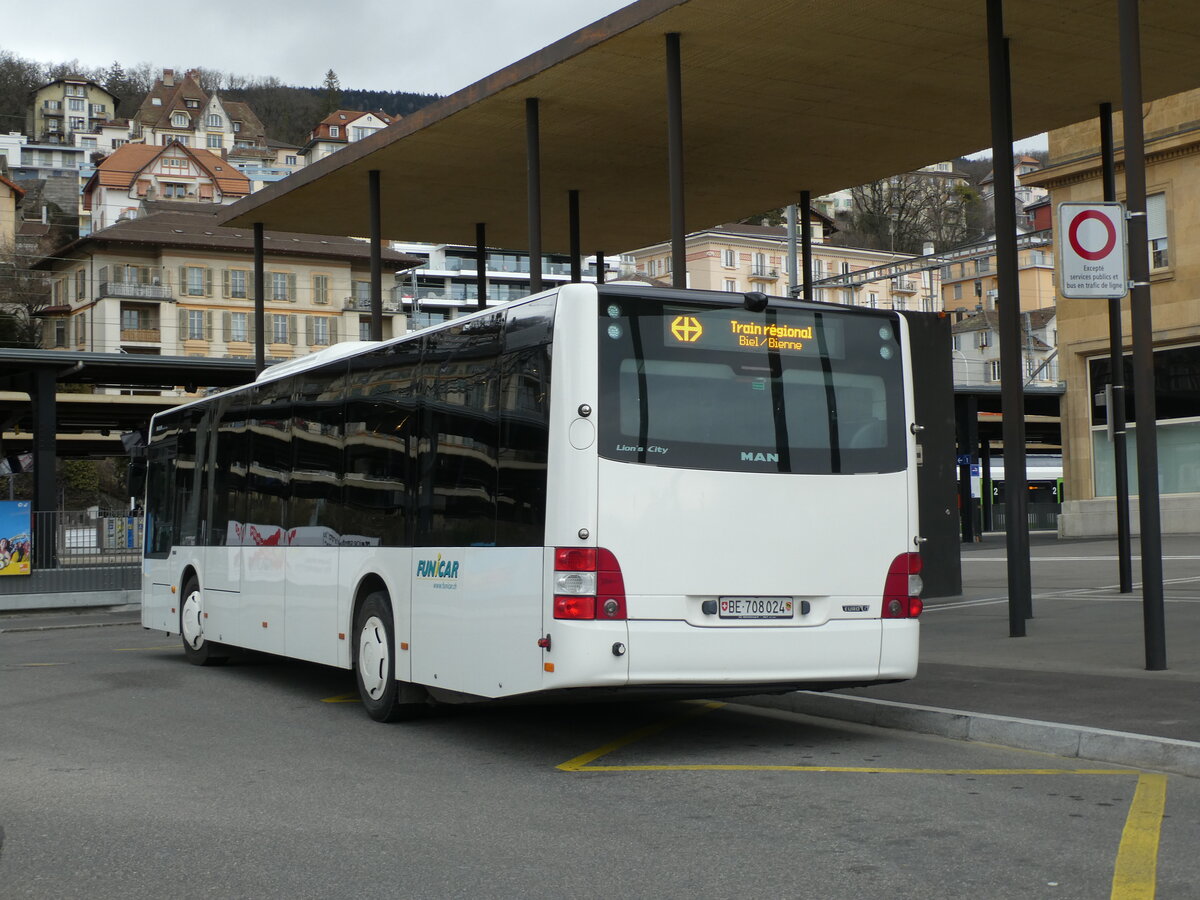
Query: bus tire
[[385, 698], [196, 647]]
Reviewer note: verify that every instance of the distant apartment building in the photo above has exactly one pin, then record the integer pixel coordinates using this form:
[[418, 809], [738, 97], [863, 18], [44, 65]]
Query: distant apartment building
[[68, 106], [340, 128], [137, 173], [444, 284], [1073, 173], [10, 196], [969, 281], [976, 348], [175, 283], [743, 258], [178, 109]]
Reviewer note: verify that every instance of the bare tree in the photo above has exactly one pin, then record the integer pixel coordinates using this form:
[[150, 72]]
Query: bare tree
[[23, 293]]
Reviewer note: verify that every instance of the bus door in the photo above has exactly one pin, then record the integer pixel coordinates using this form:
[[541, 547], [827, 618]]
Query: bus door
[[157, 573]]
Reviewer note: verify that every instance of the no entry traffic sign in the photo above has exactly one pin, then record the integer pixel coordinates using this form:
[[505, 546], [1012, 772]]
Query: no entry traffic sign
[[1091, 250]]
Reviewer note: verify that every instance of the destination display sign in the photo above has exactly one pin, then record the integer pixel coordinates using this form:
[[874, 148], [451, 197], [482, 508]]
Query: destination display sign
[[726, 329]]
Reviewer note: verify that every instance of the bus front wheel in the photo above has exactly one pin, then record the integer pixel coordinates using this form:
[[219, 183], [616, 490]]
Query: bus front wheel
[[385, 698], [196, 647]]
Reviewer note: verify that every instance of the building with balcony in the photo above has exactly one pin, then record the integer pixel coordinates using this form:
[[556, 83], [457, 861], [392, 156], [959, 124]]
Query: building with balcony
[[742, 258], [139, 173], [178, 109], [445, 283], [1073, 174], [175, 283], [61, 109], [340, 128], [969, 282]]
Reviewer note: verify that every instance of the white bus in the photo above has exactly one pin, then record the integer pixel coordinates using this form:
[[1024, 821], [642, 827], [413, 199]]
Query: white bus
[[602, 487]]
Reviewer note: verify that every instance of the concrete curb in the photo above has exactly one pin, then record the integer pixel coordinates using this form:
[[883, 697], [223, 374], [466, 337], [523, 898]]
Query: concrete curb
[[1077, 741]]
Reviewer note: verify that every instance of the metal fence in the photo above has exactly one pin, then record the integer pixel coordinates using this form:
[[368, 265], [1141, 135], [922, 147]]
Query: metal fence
[[79, 550], [1041, 516]]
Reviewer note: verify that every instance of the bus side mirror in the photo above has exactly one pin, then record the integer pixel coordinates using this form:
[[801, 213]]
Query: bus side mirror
[[137, 478]]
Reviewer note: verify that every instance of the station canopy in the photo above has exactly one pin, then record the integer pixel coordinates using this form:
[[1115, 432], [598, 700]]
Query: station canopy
[[779, 96]]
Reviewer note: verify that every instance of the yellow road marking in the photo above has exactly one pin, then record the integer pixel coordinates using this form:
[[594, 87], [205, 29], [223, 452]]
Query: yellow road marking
[[1136, 872], [581, 761], [861, 770], [341, 698]]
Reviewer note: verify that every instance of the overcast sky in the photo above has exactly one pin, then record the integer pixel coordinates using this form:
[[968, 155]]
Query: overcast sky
[[427, 46]]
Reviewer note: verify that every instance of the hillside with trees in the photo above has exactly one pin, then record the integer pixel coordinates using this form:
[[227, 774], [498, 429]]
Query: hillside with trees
[[288, 112]]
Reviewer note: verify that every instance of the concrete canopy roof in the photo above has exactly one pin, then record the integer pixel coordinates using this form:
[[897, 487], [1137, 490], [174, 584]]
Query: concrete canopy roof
[[779, 96]]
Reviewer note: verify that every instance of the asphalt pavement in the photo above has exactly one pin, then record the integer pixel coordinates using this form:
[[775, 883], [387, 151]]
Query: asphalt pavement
[[1076, 684]]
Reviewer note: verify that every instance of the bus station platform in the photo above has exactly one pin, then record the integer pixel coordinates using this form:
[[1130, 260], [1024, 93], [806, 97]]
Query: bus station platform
[[1075, 684]]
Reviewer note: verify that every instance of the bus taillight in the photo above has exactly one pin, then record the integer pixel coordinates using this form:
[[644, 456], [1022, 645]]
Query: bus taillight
[[588, 584], [902, 589]]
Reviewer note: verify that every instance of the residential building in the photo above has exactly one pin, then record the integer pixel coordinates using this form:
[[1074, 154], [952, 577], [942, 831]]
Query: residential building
[[178, 109], [1027, 193], [10, 195], [742, 258], [969, 281], [342, 127], [61, 109], [136, 173], [976, 348], [10, 150], [175, 283], [445, 284], [1073, 173]]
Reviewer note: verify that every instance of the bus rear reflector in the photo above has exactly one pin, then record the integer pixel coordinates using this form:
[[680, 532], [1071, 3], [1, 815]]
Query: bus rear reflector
[[592, 566], [902, 588]]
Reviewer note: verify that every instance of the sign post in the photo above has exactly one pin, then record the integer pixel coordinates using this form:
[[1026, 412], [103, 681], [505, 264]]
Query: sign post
[[1092, 258]]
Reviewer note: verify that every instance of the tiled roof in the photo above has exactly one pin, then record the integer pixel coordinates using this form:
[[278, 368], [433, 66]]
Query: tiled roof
[[348, 116], [252, 126], [122, 167], [171, 98], [990, 319], [197, 229]]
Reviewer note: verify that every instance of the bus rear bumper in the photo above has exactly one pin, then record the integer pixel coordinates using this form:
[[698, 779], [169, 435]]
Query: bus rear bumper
[[673, 652]]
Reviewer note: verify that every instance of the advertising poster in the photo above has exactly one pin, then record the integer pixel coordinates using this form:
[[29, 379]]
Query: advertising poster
[[16, 537]]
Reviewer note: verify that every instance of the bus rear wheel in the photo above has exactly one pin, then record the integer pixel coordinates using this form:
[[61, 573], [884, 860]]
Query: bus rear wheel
[[385, 698], [198, 649]]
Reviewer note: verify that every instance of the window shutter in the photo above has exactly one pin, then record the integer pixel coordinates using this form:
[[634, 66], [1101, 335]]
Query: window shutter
[[251, 286], [1156, 217], [227, 324], [333, 329], [251, 328], [224, 282], [208, 325], [182, 325], [208, 281], [291, 288], [291, 320], [308, 330], [183, 281]]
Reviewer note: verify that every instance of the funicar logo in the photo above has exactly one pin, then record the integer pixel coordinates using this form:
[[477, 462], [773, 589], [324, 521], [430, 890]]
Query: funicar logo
[[437, 568]]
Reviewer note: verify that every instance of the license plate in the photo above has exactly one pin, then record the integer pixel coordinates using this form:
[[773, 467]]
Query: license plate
[[755, 608]]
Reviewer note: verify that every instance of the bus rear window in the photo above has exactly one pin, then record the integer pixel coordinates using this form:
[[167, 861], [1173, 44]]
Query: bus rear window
[[783, 390]]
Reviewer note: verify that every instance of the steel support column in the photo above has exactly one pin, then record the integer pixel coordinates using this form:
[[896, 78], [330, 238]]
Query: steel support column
[[43, 382], [1153, 618], [806, 253], [1116, 357], [260, 293], [376, 256], [533, 157], [1012, 402], [573, 217], [599, 267], [793, 258], [675, 160], [480, 264]]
